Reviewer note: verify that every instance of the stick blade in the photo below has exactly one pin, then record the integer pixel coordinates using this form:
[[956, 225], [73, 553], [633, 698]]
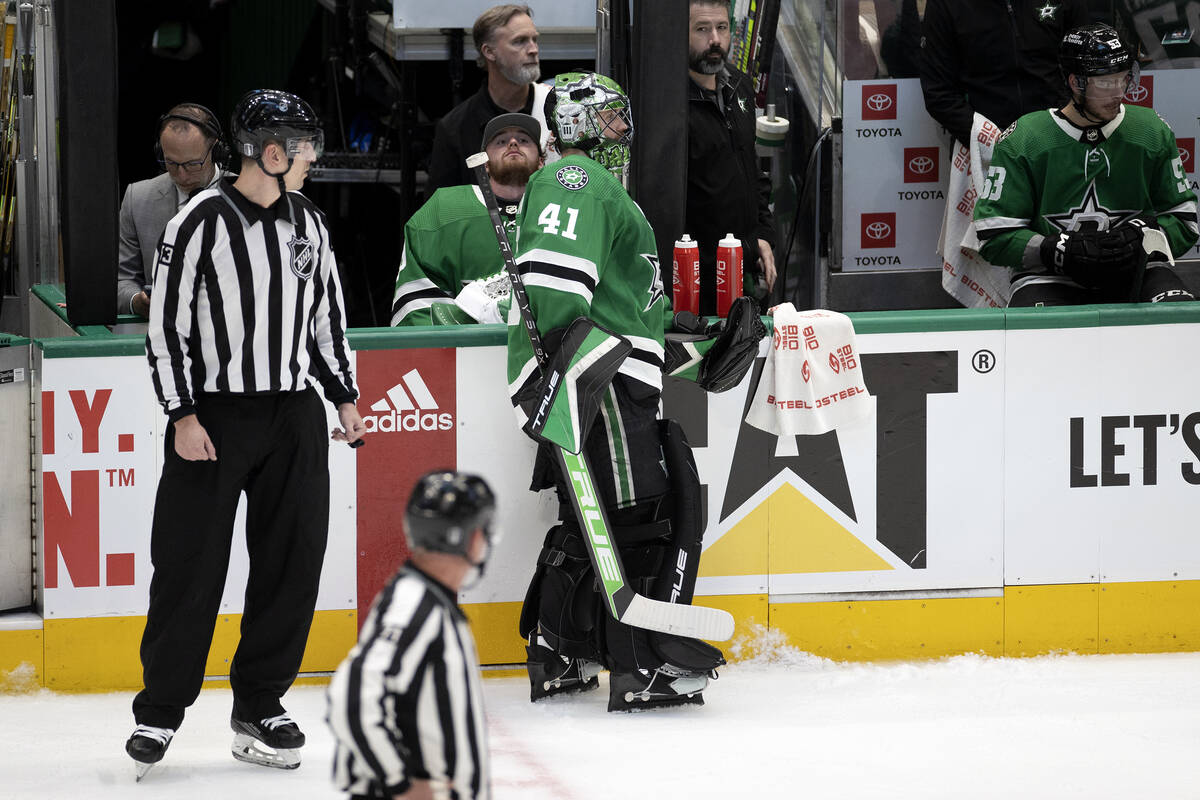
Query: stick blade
[[698, 622], [475, 159]]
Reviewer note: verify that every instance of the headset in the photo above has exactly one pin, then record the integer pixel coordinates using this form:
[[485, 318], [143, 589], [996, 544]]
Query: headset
[[209, 125]]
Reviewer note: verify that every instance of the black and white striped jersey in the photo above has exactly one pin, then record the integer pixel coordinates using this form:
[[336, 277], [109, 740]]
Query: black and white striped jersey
[[246, 300], [407, 701]]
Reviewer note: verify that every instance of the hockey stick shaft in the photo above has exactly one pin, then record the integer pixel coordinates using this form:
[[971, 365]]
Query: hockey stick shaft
[[478, 164], [623, 603]]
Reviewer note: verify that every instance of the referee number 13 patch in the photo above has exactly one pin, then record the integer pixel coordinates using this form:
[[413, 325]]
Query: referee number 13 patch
[[302, 257]]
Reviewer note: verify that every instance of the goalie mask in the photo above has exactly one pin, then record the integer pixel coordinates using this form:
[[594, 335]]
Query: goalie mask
[[1094, 51], [590, 112]]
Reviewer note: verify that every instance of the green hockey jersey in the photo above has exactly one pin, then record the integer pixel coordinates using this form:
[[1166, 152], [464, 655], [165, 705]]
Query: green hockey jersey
[[1048, 176], [448, 243], [585, 249]]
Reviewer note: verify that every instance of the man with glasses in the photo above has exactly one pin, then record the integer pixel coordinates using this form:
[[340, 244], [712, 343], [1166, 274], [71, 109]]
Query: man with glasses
[[1090, 202], [191, 148]]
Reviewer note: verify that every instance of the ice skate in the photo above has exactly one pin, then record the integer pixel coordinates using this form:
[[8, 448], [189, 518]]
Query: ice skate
[[551, 673], [270, 742], [666, 686], [146, 746]]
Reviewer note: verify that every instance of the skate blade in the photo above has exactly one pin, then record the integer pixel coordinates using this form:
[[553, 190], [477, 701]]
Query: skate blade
[[252, 751], [140, 771]]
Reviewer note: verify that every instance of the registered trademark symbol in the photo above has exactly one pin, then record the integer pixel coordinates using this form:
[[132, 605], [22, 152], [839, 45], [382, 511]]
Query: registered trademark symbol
[[984, 361]]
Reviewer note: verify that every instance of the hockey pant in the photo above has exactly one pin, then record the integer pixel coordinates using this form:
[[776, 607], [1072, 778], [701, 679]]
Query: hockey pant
[[659, 541]]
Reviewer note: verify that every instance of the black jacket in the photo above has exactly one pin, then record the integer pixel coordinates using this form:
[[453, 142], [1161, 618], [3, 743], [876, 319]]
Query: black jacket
[[459, 134], [727, 192], [997, 57]]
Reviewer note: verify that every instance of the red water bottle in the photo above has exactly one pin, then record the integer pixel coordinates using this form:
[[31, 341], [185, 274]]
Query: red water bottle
[[685, 282], [729, 273]]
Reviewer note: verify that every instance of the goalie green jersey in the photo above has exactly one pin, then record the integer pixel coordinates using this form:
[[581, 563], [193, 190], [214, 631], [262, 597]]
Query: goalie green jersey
[[1048, 176], [585, 249], [448, 243]]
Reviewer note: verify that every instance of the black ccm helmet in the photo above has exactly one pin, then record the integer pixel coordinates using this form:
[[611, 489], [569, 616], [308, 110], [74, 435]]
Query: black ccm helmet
[[1093, 50], [263, 116], [445, 508]]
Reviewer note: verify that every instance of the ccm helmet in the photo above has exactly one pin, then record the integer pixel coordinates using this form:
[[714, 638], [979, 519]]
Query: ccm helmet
[[589, 111], [263, 116], [1094, 50], [445, 509]]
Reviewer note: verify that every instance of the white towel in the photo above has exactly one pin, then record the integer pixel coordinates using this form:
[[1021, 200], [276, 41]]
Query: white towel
[[965, 275], [812, 381]]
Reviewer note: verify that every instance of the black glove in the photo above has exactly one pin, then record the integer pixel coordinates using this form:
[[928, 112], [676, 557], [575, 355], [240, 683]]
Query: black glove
[[1094, 258]]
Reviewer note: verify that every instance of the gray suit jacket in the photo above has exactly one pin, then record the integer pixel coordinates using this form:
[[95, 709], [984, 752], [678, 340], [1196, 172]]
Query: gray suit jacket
[[145, 211]]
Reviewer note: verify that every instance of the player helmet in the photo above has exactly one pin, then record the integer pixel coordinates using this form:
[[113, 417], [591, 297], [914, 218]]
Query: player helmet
[[1093, 50], [263, 116], [589, 111], [445, 508]]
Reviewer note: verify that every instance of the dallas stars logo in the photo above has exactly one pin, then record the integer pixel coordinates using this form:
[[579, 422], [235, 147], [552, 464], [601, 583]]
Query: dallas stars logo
[[1090, 214], [656, 283], [1046, 13], [742, 104], [572, 177]]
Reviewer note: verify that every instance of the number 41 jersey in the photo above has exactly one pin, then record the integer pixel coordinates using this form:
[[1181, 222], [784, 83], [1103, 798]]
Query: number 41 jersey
[[585, 249], [1048, 176]]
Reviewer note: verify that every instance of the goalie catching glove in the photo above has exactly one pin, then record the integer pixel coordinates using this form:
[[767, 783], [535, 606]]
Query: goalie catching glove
[[717, 356]]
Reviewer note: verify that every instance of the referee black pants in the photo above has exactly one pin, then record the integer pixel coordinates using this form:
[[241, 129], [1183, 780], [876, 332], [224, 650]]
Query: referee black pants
[[274, 448]]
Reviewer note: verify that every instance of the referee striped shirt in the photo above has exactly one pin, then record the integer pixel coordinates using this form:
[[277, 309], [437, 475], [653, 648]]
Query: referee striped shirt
[[407, 702], [246, 300]]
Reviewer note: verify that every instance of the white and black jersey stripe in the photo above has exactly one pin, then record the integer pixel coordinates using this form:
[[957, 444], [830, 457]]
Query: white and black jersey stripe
[[246, 300], [407, 701]]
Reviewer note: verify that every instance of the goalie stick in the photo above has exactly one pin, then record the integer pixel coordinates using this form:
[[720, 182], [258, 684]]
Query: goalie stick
[[623, 603]]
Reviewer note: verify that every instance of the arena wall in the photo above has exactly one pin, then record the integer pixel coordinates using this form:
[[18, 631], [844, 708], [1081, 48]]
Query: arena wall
[[1026, 484]]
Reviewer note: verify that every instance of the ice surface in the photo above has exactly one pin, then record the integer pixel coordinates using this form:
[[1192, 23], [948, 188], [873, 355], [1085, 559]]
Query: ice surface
[[779, 725]]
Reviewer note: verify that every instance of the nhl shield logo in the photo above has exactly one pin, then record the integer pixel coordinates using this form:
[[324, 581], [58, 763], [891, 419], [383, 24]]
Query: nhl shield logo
[[302, 257]]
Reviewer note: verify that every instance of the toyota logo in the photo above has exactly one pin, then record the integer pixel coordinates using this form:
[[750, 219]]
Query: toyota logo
[[921, 165], [1185, 156], [1137, 94], [878, 230], [879, 102]]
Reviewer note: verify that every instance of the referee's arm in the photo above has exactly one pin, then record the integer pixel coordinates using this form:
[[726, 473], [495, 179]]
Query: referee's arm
[[172, 316], [331, 357]]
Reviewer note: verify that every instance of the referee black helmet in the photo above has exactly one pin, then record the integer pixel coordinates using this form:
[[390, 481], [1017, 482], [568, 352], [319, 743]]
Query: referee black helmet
[[263, 116], [446, 508]]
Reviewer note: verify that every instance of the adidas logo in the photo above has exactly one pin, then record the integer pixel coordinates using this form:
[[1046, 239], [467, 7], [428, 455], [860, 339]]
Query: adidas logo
[[408, 406]]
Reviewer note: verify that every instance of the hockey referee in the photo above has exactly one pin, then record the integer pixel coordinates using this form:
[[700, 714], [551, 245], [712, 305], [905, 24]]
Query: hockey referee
[[246, 317], [406, 706]]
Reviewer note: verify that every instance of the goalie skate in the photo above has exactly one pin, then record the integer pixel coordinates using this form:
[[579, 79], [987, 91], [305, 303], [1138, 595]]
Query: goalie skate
[[551, 673], [271, 742], [146, 746], [666, 686]]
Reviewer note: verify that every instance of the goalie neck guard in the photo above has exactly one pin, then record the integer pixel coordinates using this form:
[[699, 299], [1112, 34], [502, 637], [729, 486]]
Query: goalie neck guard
[[590, 112]]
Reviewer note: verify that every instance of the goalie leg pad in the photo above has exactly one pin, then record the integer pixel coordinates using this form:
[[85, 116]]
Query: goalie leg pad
[[676, 580], [561, 603]]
